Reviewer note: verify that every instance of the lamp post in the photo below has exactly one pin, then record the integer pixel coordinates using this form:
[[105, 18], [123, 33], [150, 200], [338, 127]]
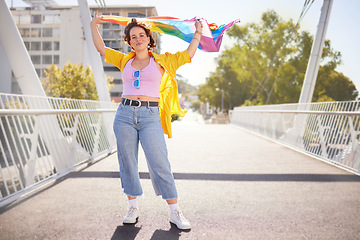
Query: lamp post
[[222, 99], [229, 95]]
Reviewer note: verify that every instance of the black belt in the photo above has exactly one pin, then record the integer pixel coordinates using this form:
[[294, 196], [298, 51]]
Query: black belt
[[138, 103]]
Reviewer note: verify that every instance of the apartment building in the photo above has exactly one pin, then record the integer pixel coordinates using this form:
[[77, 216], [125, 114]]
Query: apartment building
[[53, 34]]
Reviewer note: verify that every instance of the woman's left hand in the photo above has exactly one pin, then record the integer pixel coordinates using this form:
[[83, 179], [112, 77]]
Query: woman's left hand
[[198, 25]]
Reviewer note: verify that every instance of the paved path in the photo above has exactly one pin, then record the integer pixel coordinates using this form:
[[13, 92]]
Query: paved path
[[232, 185]]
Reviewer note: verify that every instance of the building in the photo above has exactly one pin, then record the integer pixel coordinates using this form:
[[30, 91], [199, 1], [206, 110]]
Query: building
[[53, 34]]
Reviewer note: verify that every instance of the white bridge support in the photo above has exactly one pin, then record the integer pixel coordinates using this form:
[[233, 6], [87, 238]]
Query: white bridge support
[[312, 70], [316, 52], [94, 60], [92, 56], [29, 83], [17, 54]]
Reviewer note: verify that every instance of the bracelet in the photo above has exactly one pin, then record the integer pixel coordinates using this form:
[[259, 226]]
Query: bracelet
[[196, 39], [198, 32]]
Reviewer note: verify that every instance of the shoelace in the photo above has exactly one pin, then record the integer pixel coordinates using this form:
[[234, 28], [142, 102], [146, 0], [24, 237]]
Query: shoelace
[[131, 212], [180, 216]]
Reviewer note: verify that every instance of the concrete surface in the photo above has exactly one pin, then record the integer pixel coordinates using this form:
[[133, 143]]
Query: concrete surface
[[232, 185]]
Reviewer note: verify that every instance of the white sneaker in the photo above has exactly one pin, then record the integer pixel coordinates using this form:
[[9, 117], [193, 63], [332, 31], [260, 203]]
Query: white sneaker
[[131, 216], [179, 220]]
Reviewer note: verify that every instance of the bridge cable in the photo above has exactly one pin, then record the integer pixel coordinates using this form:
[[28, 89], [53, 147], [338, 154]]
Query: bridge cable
[[305, 9]]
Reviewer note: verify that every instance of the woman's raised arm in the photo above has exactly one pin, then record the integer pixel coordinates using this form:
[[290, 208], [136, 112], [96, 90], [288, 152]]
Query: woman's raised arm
[[196, 39], [98, 42]]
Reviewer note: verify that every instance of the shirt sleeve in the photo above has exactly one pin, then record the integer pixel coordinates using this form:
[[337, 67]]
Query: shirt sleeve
[[178, 59], [114, 57]]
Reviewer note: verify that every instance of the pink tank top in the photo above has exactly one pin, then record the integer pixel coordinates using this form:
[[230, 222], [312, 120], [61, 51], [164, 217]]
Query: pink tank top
[[150, 79]]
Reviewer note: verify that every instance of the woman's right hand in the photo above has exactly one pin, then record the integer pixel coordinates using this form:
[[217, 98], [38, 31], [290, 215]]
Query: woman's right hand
[[96, 20]]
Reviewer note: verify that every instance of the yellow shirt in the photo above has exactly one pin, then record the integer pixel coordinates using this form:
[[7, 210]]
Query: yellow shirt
[[169, 99]]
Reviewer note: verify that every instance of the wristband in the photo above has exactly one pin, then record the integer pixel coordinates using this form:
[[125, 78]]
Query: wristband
[[198, 32]]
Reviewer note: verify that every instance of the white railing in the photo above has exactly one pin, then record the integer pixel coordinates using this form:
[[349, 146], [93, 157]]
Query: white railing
[[42, 139], [328, 131]]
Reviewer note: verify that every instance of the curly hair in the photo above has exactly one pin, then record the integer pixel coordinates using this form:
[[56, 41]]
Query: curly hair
[[134, 23]]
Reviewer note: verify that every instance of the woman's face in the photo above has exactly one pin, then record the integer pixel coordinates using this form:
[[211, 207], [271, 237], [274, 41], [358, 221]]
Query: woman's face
[[138, 39]]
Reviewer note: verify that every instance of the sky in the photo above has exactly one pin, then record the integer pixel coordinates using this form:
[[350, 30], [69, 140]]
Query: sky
[[343, 29]]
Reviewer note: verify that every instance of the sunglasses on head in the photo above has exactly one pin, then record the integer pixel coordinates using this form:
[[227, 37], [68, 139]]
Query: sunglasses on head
[[136, 82]]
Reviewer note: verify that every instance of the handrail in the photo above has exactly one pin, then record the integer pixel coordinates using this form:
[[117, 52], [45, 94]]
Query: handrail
[[38, 112], [328, 131], [44, 138], [339, 113]]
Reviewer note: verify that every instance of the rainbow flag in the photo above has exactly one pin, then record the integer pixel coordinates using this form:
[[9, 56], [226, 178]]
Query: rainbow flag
[[184, 29]]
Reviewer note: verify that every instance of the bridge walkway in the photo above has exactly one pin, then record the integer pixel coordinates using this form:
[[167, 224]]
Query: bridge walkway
[[232, 185]]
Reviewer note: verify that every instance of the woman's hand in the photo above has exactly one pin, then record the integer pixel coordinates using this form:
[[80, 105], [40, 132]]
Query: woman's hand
[[196, 39], [96, 20], [198, 26]]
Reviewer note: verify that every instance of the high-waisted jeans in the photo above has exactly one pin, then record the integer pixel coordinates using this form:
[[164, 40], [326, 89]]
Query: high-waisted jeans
[[131, 126]]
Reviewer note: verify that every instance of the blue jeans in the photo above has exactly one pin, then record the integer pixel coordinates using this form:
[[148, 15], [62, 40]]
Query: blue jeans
[[131, 126]]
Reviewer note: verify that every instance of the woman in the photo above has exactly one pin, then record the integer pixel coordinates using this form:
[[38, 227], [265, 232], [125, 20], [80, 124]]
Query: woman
[[148, 84]]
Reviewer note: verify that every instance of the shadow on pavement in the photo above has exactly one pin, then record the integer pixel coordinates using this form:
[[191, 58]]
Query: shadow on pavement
[[130, 231], [172, 234], [127, 232], [266, 177]]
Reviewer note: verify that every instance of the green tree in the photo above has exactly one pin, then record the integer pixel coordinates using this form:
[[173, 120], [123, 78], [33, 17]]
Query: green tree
[[334, 85], [74, 81], [267, 65]]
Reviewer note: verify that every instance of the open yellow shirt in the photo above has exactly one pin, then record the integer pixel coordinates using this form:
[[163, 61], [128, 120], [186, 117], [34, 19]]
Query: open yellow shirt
[[169, 99]]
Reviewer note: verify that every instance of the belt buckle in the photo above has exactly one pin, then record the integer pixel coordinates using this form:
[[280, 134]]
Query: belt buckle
[[139, 103]]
